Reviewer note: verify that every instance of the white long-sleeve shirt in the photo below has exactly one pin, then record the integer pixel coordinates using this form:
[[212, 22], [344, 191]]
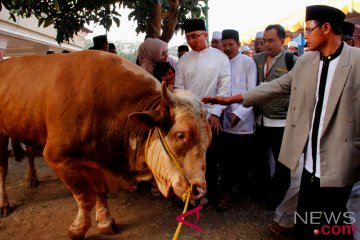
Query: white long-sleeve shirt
[[243, 78], [329, 80], [205, 73]]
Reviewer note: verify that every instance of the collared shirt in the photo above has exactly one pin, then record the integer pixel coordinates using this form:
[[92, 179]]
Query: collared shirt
[[205, 73], [243, 78], [272, 63], [329, 80], [268, 122]]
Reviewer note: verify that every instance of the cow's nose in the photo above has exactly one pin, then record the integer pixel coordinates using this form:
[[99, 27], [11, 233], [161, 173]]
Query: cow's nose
[[198, 190]]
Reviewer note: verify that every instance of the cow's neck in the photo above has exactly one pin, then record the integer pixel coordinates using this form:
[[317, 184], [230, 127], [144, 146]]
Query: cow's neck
[[137, 158]]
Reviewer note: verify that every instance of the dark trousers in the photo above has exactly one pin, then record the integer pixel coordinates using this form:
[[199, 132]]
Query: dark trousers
[[212, 162], [235, 160], [259, 167], [316, 205], [270, 137]]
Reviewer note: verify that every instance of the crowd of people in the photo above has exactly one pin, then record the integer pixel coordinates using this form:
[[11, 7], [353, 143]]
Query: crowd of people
[[308, 116], [285, 125]]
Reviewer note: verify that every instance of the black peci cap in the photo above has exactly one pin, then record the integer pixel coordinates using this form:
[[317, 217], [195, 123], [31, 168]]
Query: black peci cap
[[194, 25], [347, 28], [325, 14], [99, 41], [183, 48], [230, 34]]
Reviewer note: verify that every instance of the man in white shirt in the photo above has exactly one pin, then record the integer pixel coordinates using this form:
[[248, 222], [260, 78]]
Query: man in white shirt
[[293, 47], [259, 42], [205, 71], [216, 40], [237, 123]]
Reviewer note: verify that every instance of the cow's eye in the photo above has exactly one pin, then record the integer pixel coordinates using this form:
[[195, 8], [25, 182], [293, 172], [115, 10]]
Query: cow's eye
[[180, 136]]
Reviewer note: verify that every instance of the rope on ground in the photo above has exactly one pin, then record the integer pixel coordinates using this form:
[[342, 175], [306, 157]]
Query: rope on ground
[[186, 198]]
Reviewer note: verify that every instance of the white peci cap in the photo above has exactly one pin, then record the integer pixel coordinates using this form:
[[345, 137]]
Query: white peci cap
[[259, 35], [244, 48], [217, 35]]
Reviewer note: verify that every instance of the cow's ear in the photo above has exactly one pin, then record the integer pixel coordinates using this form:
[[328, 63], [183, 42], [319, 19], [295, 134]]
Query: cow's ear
[[146, 120]]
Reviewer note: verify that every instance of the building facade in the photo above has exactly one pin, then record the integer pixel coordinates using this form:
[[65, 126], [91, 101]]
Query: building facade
[[24, 37]]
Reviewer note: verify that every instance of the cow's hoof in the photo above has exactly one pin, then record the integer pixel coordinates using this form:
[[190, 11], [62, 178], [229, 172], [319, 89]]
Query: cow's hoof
[[76, 233], [109, 228], [5, 211], [73, 236], [33, 183]]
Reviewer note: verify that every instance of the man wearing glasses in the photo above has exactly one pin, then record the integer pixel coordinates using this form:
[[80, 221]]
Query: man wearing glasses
[[322, 123], [270, 118], [205, 71]]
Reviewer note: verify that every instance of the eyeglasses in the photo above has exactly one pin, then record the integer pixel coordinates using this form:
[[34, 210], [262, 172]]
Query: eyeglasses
[[193, 36], [308, 31]]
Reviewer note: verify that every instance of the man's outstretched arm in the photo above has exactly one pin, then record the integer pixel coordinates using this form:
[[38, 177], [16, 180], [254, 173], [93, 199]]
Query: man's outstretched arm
[[223, 100]]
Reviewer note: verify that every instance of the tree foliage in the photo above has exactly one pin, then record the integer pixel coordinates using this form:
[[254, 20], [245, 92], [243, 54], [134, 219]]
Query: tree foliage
[[156, 18]]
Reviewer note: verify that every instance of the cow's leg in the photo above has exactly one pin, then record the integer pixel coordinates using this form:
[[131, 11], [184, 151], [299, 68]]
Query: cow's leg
[[105, 222], [32, 178], [4, 202], [73, 175], [18, 150]]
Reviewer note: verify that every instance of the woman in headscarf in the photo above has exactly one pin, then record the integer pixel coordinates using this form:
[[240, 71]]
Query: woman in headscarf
[[151, 52]]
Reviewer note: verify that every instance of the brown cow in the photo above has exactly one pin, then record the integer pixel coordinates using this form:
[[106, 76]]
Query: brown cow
[[29, 152], [19, 154], [76, 106]]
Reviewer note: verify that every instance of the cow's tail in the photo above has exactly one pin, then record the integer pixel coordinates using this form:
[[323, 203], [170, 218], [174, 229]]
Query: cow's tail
[[19, 152]]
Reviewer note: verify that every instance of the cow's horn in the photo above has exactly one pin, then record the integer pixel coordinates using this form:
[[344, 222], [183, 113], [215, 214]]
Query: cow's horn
[[167, 95]]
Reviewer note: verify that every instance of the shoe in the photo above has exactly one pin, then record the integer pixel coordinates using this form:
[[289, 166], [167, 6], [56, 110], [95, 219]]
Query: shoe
[[155, 190], [224, 203], [278, 230], [204, 202]]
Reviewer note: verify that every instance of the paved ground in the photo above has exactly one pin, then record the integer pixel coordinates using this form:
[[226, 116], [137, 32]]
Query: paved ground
[[47, 211]]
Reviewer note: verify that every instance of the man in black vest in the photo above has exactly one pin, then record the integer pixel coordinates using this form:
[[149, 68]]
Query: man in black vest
[[271, 64]]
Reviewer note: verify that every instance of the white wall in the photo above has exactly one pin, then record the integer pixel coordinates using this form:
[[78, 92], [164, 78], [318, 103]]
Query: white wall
[[25, 37]]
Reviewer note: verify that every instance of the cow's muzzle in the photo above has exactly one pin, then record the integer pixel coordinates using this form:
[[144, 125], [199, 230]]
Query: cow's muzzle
[[198, 189]]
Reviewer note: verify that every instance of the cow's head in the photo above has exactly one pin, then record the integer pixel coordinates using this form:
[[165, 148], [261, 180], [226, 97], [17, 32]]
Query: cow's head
[[182, 120]]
